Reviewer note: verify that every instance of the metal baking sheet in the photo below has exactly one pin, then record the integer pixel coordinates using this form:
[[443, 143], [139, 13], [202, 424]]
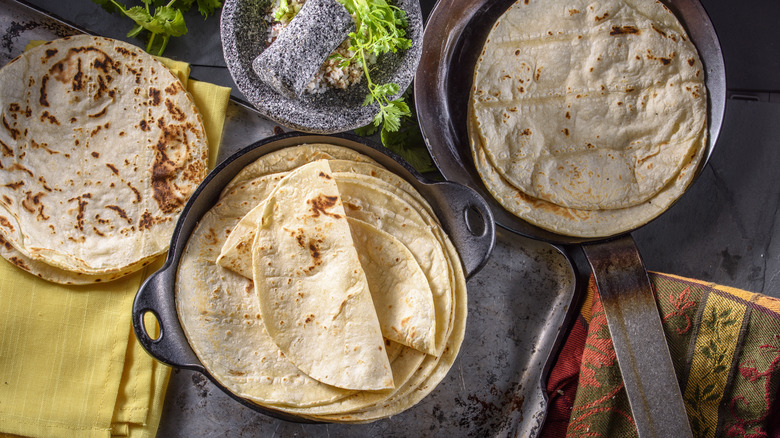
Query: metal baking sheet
[[518, 305]]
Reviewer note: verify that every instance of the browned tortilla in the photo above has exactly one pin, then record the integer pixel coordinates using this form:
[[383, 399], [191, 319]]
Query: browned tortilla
[[101, 146]]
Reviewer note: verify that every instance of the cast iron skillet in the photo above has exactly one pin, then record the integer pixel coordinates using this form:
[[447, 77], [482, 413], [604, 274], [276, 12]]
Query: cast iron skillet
[[453, 39], [464, 215]]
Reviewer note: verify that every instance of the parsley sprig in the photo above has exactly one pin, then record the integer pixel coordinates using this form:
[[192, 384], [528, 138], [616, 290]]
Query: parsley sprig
[[167, 20], [380, 28]]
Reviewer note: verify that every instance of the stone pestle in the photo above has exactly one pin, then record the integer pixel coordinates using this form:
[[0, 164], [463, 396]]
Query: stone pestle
[[292, 60]]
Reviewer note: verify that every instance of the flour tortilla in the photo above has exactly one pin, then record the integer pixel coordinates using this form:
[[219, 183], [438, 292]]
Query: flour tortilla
[[287, 159], [591, 106], [430, 372], [576, 222], [399, 288], [434, 252], [370, 201], [59, 275], [221, 317], [101, 148], [392, 206], [366, 407], [392, 182], [415, 373], [236, 252], [313, 294]]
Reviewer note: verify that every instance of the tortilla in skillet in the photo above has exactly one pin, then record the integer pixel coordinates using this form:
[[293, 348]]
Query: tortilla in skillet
[[588, 106], [573, 221], [313, 293], [389, 223]]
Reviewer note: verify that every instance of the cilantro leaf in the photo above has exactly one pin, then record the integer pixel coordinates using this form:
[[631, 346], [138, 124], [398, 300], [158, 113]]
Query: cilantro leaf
[[379, 29], [167, 20], [407, 140], [208, 7], [283, 9]]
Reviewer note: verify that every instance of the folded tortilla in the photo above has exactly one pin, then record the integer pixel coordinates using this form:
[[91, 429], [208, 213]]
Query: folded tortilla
[[397, 238], [400, 287], [313, 293]]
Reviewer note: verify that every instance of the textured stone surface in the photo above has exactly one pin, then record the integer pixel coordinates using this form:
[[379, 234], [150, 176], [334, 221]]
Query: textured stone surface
[[243, 31], [292, 60]]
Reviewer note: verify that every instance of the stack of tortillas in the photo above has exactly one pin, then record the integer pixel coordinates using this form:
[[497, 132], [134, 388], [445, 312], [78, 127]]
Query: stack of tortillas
[[101, 148], [322, 285], [588, 118]]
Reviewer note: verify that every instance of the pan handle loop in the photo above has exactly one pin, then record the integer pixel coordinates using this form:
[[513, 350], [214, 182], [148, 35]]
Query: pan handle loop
[[170, 345], [468, 222]]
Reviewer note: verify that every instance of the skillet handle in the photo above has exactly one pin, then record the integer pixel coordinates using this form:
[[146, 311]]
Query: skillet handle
[[171, 346], [638, 337], [468, 220]]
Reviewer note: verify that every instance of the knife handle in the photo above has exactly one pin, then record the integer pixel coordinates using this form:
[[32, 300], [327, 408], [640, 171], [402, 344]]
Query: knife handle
[[638, 337]]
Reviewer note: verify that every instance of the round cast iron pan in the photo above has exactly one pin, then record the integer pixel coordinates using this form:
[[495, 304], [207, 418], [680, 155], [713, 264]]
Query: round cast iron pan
[[453, 39], [464, 215]]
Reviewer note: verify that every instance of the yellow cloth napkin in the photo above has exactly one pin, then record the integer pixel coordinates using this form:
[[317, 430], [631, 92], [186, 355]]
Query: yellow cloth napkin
[[69, 361]]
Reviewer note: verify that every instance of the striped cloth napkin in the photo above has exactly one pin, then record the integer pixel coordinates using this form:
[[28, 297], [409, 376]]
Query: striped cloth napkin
[[70, 365], [725, 346]]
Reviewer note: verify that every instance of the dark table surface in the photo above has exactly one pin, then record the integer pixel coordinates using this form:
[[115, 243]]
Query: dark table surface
[[725, 229]]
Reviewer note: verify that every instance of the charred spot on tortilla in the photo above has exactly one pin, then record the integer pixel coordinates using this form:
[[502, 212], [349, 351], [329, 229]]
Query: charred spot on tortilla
[[321, 204], [623, 30], [154, 94]]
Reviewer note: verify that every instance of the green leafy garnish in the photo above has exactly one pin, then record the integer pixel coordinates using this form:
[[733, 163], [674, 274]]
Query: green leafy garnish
[[407, 140], [379, 28], [286, 11], [167, 20], [205, 7], [282, 11]]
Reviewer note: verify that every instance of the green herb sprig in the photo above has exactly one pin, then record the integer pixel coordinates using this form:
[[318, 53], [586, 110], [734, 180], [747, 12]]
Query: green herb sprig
[[167, 20], [407, 141], [286, 11], [379, 28]]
